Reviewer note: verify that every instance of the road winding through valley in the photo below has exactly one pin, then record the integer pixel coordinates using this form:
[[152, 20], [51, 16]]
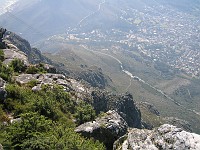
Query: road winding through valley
[[140, 80], [126, 71], [88, 16]]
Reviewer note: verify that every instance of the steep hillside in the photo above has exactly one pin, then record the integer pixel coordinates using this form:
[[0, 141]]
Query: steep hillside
[[37, 104]]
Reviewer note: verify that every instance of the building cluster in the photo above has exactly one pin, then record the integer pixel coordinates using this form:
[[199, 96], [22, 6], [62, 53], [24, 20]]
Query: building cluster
[[160, 33]]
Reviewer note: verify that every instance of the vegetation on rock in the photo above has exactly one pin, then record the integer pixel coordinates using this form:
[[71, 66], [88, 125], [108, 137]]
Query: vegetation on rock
[[44, 119]]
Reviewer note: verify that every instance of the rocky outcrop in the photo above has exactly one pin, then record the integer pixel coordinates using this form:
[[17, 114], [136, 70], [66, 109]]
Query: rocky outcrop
[[94, 77], [123, 104], [76, 88], [13, 41], [14, 53], [50, 68], [165, 137], [102, 101], [2, 89], [2, 32], [106, 129]]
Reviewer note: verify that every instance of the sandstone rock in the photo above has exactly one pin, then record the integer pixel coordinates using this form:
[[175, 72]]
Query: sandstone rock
[[11, 54], [79, 90], [2, 32], [1, 147], [94, 77], [123, 104], [2, 89], [106, 129], [165, 137], [13, 41]]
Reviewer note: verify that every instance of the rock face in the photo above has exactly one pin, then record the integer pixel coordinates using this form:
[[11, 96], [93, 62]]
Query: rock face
[[106, 129], [2, 89], [94, 77], [123, 104], [14, 53], [78, 90], [2, 32], [165, 137], [13, 41]]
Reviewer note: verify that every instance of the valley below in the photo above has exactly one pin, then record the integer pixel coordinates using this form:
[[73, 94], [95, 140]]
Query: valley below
[[147, 48]]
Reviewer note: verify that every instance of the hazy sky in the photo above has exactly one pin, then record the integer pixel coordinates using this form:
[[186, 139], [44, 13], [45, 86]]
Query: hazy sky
[[4, 4]]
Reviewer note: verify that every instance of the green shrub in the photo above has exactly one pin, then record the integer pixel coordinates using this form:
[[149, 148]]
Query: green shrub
[[36, 69], [36, 132], [32, 83], [84, 113], [5, 72], [46, 119], [32, 70], [18, 65], [1, 55]]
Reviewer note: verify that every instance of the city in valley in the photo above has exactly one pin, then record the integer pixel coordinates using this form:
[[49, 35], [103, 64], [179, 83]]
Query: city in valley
[[158, 33]]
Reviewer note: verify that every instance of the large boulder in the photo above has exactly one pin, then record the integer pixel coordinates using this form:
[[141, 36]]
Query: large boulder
[[106, 129], [123, 104], [165, 137], [2, 89], [11, 54]]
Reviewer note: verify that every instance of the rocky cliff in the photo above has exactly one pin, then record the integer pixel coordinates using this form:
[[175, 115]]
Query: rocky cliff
[[14, 42], [123, 104], [106, 129], [165, 137], [119, 110]]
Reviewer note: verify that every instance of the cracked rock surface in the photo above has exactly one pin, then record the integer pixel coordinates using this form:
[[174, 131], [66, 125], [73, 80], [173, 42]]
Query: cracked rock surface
[[106, 129], [165, 137]]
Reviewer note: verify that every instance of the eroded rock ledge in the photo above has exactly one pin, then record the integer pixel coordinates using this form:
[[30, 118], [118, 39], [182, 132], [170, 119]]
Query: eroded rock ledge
[[106, 129], [165, 137]]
